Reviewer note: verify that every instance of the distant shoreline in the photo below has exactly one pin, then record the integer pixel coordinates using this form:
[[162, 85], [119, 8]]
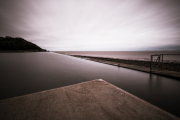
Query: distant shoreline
[[19, 51], [9, 44]]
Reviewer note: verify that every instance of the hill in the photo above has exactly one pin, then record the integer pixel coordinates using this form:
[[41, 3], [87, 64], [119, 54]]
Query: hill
[[18, 44]]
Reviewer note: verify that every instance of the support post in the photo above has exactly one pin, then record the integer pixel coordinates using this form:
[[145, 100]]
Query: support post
[[159, 60], [162, 62], [151, 63]]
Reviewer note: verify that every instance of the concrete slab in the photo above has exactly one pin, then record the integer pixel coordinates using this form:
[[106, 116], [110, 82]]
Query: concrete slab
[[93, 100]]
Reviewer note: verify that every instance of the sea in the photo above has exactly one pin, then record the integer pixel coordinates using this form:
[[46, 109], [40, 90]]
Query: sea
[[169, 56]]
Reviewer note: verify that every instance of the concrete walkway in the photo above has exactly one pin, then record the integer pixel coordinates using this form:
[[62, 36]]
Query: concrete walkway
[[166, 73], [93, 100]]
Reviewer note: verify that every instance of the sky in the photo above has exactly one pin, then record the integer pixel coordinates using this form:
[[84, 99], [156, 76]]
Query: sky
[[93, 25]]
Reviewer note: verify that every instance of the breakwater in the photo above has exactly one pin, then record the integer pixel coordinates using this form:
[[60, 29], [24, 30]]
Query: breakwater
[[166, 66], [171, 70]]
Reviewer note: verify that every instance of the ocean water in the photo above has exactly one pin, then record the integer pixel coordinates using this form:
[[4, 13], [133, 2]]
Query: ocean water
[[132, 55]]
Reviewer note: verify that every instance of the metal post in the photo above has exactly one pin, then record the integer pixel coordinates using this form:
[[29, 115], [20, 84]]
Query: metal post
[[159, 60], [151, 63], [162, 62]]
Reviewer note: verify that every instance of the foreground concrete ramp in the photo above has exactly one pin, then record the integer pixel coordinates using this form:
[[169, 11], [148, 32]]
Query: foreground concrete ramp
[[93, 100]]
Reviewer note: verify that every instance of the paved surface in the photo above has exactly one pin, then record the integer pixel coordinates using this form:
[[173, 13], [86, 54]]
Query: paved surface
[[93, 100]]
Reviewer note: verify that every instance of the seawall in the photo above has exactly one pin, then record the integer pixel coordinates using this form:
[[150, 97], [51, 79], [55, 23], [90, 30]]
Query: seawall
[[133, 64]]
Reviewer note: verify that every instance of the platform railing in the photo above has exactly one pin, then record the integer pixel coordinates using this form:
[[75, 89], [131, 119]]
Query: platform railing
[[159, 61]]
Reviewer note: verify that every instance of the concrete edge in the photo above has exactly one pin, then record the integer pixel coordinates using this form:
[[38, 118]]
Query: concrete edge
[[143, 101], [109, 84], [153, 72]]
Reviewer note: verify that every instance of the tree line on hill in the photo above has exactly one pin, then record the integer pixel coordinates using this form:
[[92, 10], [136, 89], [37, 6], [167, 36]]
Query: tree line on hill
[[17, 44]]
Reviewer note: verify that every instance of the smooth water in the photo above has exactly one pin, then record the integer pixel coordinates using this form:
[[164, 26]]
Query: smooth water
[[24, 73], [134, 55]]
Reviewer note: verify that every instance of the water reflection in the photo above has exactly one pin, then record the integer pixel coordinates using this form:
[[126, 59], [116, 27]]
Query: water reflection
[[24, 73], [155, 82]]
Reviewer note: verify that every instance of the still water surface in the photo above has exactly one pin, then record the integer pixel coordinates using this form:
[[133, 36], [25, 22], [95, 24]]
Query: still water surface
[[24, 73]]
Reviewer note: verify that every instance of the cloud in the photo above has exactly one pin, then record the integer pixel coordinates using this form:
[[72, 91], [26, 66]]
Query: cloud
[[93, 25]]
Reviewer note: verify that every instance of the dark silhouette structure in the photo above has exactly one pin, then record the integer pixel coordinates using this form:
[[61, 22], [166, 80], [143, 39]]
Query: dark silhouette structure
[[159, 61], [18, 44]]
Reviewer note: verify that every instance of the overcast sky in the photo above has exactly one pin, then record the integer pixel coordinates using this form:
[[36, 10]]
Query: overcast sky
[[93, 25]]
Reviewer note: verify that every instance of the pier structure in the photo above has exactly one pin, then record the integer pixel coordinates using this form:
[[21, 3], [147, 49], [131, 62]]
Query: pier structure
[[92, 100], [166, 73]]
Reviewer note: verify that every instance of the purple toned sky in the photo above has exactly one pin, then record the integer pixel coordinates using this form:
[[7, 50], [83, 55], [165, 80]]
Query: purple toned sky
[[93, 25]]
